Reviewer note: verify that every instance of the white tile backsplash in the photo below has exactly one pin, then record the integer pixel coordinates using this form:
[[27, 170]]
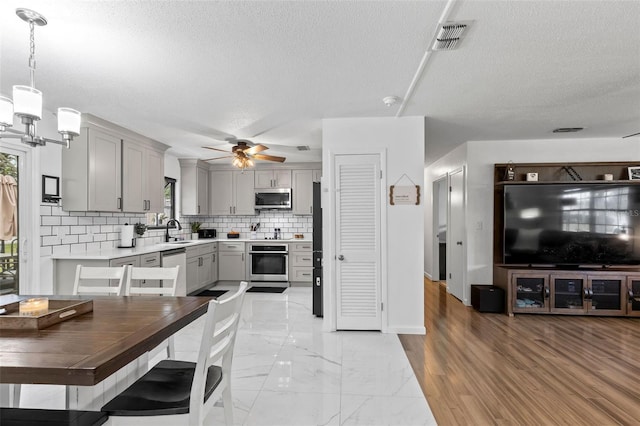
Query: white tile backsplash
[[74, 232], [288, 223]]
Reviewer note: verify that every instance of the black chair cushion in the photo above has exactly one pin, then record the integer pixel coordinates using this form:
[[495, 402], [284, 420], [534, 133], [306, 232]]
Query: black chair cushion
[[37, 417], [163, 390]]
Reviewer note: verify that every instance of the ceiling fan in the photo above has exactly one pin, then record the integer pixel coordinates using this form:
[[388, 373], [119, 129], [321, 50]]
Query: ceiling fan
[[244, 152]]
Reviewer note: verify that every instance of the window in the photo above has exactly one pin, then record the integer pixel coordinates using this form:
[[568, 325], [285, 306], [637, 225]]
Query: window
[[157, 220]]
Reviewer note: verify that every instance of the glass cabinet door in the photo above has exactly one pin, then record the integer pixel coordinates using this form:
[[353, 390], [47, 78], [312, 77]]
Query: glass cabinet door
[[568, 293], [606, 295], [633, 296], [531, 292]]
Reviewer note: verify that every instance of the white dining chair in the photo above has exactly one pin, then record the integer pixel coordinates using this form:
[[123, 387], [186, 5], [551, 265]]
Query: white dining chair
[[180, 392], [140, 281], [92, 280]]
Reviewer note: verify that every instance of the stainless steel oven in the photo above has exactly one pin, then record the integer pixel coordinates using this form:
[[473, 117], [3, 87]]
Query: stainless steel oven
[[268, 262]]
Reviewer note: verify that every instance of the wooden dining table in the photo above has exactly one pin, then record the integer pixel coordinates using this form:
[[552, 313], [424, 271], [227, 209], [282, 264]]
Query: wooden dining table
[[99, 353]]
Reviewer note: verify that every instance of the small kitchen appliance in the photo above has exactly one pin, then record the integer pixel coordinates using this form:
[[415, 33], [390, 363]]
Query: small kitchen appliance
[[207, 233]]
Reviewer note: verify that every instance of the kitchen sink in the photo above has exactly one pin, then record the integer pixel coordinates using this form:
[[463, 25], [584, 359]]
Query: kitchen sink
[[179, 242]]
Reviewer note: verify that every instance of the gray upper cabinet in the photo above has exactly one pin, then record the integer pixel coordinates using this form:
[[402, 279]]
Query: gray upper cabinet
[[142, 177], [92, 172], [302, 192], [104, 170], [273, 179], [194, 187], [231, 192]]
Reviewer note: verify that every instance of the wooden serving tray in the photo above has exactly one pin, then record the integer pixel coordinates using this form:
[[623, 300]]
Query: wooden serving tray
[[59, 310]]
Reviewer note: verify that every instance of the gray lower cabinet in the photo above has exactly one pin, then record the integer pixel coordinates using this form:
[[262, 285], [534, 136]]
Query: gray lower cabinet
[[232, 264], [301, 262], [201, 266], [65, 269]]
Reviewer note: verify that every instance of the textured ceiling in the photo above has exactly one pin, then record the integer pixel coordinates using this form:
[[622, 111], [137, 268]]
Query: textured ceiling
[[190, 73]]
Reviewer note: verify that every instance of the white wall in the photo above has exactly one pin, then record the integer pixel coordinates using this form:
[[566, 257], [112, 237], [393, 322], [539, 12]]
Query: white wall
[[402, 139], [480, 156]]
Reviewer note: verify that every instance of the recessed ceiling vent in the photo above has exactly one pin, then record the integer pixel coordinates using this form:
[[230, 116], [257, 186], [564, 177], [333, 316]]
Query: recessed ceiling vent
[[567, 129], [303, 148], [449, 35]]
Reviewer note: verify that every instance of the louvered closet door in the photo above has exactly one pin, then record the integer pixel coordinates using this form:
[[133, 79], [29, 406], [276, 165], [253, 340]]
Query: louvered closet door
[[358, 242]]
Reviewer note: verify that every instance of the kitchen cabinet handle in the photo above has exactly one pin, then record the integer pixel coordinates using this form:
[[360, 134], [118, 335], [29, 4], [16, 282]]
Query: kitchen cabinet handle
[[630, 295], [306, 275], [311, 209], [198, 209], [341, 257], [119, 203], [306, 258], [213, 258], [243, 257], [546, 292], [150, 260]]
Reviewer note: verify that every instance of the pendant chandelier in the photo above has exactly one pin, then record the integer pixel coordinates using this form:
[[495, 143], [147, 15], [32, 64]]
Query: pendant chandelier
[[27, 101]]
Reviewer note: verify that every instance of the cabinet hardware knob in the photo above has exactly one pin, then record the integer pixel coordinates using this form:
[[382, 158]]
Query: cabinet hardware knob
[[341, 257]]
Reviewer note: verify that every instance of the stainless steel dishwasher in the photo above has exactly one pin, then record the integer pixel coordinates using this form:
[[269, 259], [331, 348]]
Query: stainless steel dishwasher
[[172, 257]]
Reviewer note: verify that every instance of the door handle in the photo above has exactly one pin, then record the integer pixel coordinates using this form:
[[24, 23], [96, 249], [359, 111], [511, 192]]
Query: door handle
[[459, 243], [318, 281], [341, 257]]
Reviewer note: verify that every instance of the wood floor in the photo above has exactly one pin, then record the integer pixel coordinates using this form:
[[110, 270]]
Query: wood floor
[[489, 369]]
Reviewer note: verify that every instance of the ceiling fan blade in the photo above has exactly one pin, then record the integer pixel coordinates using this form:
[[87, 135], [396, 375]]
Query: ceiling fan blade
[[269, 158], [216, 149], [255, 149], [219, 158]]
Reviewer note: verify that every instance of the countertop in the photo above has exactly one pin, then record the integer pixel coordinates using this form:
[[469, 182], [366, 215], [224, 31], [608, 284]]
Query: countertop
[[115, 253]]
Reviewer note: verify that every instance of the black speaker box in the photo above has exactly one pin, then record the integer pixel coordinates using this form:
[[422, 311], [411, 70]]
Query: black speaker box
[[487, 298]]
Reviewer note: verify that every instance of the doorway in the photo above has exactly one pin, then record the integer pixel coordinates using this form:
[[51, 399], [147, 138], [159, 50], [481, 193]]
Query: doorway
[[440, 223], [456, 256], [9, 211]]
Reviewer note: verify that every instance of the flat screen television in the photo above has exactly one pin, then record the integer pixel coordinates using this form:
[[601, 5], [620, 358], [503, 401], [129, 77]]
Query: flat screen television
[[572, 224]]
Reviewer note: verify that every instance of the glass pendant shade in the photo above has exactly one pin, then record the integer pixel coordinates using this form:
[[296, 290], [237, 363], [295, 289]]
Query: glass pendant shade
[[27, 101], [69, 121], [6, 112]]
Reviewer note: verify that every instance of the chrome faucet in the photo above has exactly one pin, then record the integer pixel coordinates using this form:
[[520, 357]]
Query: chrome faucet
[[176, 225]]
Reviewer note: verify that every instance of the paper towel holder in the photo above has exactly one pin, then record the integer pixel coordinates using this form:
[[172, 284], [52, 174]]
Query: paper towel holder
[[130, 236]]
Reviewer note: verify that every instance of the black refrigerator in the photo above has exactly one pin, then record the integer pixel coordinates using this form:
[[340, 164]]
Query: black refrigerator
[[317, 250]]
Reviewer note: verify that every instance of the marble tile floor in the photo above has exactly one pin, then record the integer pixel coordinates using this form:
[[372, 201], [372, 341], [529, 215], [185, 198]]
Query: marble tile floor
[[287, 371]]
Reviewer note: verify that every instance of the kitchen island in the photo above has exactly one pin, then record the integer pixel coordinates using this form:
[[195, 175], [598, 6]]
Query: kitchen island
[[201, 264]]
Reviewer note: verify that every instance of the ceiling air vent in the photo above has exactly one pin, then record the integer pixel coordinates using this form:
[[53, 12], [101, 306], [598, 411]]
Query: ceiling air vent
[[449, 35], [303, 148], [567, 129]]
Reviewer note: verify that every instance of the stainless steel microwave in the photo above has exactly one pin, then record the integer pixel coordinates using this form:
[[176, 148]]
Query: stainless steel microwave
[[273, 198]]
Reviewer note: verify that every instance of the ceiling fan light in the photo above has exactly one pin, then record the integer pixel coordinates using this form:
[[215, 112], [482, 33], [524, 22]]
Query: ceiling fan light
[[69, 121], [6, 112], [27, 102]]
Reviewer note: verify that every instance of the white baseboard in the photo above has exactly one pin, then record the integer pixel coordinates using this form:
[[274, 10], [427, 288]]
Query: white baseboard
[[407, 330], [428, 275]]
